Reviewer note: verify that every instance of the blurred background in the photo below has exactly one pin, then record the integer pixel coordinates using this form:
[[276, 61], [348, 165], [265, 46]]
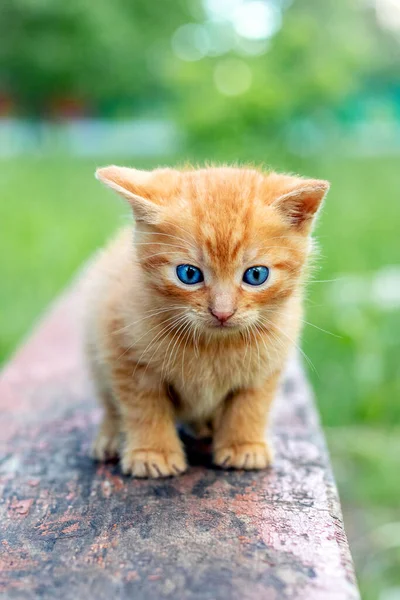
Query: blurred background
[[308, 86]]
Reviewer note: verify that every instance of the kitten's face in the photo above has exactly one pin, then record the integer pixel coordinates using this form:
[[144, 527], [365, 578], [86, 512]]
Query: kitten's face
[[222, 246]]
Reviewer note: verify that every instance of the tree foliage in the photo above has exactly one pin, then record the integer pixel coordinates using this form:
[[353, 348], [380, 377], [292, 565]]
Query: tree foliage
[[117, 58], [96, 51]]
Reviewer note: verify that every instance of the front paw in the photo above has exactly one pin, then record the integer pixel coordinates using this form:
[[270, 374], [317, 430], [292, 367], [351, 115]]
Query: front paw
[[106, 445], [243, 456], [153, 463]]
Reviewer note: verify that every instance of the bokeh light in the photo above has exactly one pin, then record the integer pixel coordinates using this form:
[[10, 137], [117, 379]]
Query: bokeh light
[[232, 76], [257, 20], [388, 13], [190, 42]]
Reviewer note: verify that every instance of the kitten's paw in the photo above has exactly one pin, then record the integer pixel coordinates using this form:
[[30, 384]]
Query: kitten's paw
[[153, 464], [106, 446], [244, 456]]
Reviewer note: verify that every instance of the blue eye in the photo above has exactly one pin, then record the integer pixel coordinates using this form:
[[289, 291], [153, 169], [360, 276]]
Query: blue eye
[[256, 275], [189, 274]]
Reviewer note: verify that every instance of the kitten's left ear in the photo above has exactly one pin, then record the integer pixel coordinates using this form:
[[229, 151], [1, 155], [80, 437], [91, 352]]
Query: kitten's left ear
[[300, 204], [144, 190]]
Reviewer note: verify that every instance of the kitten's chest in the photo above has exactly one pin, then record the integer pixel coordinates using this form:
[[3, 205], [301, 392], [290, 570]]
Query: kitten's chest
[[203, 380]]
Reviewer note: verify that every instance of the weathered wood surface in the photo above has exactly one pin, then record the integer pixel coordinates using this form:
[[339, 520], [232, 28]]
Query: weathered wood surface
[[73, 529]]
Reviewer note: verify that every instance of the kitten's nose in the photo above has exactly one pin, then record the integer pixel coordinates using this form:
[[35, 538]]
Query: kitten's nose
[[222, 316]]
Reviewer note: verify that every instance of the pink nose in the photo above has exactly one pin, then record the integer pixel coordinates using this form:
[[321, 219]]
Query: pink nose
[[222, 316]]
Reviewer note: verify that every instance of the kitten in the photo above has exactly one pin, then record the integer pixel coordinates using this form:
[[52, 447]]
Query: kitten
[[194, 311]]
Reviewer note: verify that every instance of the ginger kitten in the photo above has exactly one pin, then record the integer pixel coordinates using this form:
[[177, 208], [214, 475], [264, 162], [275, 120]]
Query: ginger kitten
[[194, 311]]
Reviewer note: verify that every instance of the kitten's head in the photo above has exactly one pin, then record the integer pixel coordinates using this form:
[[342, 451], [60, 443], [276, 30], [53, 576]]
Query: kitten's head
[[226, 246]]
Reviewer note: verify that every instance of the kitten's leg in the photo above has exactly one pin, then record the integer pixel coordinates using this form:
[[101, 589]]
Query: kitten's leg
[[107, 442], [239, 438], [152, 447]]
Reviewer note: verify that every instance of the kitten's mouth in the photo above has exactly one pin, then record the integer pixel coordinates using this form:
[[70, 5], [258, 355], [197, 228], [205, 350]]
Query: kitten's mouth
[[223, 326]]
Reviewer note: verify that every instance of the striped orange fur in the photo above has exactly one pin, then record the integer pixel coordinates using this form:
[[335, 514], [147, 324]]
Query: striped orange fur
[[157, 352]]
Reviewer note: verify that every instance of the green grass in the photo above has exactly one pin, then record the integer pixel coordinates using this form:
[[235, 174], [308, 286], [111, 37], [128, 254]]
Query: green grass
[[357, 379], [53, 215]]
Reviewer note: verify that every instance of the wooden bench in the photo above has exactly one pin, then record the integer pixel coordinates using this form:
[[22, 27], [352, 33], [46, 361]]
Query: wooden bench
[[74, 529]]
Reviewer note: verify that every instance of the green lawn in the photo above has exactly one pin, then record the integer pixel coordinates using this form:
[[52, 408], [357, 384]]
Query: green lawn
[[53, 214]]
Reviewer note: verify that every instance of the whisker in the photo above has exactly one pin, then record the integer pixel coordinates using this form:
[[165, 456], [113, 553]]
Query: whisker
[[152, 314], [324, 280], [249, 344], [316, 326], [165, 358], [247, 340], [267, 350], [275, 339], [142, 336], [253, 332], [188, 331], [323, 330], [165, 331], [196, 338], [156, 337], [177, 333], [245, 331], [175, 348], [309, 361]]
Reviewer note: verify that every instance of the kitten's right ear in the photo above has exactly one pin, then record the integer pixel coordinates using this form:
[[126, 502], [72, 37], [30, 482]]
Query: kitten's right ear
[[136, 187]]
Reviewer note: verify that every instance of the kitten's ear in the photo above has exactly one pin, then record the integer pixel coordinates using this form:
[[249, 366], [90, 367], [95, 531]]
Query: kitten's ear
[[135, 186], [300, 204]]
